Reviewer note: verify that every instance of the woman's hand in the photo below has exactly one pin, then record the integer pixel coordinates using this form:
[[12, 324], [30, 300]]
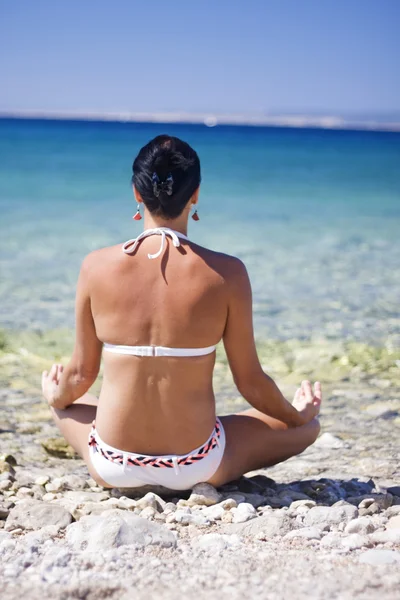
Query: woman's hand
[[307, 402], [50, 385]]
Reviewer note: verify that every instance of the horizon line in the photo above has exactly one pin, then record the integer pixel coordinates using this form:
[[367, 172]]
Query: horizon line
[[208, 119]]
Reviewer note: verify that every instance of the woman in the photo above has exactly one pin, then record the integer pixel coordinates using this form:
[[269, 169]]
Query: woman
[[157, 306]]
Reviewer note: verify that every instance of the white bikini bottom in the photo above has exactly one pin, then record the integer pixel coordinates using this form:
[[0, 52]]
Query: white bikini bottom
[[177, 472]]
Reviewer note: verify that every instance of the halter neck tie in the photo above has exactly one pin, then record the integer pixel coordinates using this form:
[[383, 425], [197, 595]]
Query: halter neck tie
[[130, 246]]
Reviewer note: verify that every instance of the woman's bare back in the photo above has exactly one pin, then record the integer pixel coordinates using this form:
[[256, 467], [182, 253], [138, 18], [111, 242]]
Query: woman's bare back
[[158, 405]]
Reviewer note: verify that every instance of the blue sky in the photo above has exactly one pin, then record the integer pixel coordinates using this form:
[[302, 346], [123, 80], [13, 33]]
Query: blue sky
[[247, 56]]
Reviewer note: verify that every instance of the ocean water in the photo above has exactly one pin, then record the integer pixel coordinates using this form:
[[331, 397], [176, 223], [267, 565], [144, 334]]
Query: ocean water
[[314, 214]]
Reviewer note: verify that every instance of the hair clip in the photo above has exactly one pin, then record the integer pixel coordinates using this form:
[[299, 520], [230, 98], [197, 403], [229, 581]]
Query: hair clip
[[162, 186]]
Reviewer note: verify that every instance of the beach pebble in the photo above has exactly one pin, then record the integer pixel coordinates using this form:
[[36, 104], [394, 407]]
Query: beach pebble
[[148, 512], [126, 503], [228, 503], [327, 440], [117, 528], [392, 511], [326, 516], [214, 543], [389, 535], [169, 507], [185, 518], [5, 485], [204, 494], [244, 512], [42, 480], [355, 541], [151, 500], [393, 523], [362, 525], [87, 496], [33, 514], [24, 492], [308, 533], [377, 556], [331, 540], [215, 513], [49, 497], [271, 523], [302, 504]]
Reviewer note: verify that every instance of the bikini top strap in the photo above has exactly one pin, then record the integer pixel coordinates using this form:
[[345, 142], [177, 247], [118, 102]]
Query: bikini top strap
[[130, 246]]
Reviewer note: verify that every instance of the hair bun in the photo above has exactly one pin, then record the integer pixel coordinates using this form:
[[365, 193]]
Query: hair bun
[[166, 173]]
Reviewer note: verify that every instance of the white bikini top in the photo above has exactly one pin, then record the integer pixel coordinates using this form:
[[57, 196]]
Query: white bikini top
[[129, 248]]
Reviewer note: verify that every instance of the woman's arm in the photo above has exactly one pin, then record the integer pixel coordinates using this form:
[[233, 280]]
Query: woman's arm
[[254, 385], [61, 387]]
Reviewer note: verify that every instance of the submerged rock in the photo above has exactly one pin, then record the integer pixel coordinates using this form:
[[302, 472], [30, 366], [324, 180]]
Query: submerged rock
[[58, 447]]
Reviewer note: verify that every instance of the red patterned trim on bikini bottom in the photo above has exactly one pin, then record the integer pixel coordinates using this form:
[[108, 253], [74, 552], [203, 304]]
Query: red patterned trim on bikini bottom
[[156, 461]]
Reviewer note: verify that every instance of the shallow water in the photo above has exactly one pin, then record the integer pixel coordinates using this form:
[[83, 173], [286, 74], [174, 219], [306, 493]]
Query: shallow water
[[314, 214]]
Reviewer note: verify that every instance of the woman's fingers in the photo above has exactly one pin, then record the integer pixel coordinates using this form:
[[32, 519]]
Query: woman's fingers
[[297, 394], [53, 372], [307, 390], [317, 393]]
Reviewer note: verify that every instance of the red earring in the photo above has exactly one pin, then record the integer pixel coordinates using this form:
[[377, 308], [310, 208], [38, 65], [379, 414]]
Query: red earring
[[137, 216], [195, 216]]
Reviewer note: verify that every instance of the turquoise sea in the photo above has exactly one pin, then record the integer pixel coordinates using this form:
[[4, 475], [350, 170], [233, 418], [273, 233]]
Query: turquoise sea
[[314, 214]]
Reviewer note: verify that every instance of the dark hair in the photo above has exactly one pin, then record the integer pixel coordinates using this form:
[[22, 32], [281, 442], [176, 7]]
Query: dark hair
[[166, 173]]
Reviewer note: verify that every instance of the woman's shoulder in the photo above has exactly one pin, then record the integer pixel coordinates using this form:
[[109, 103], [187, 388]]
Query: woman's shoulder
[[228, 265], [102, 257]]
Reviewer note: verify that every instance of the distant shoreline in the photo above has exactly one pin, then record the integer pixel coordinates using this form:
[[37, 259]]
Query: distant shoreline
[[210, 120]]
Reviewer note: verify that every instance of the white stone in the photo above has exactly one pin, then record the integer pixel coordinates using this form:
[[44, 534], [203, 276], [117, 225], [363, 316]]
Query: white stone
[[148, 512], [362, 525], [215, 513], [355, 541], [326, 516], [382, 537], [204, 494], [169, 508], [271, 523], [42, 480], [86, 496], [24, 492], [116, 528], [331, 540], [380, 557], [126, 503], [303, 504], [393, 523], [189, 519], [32, 514], [327, 440], [228, 503], [244, 512], [308, 533], [49, 497], [214, 543], [151, 500], [5, 485]]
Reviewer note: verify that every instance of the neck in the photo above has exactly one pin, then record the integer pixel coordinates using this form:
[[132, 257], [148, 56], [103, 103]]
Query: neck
[[180, 224]]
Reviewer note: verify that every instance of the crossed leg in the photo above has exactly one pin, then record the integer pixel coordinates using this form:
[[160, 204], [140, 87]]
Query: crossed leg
[[253, 440], [75, 423]]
